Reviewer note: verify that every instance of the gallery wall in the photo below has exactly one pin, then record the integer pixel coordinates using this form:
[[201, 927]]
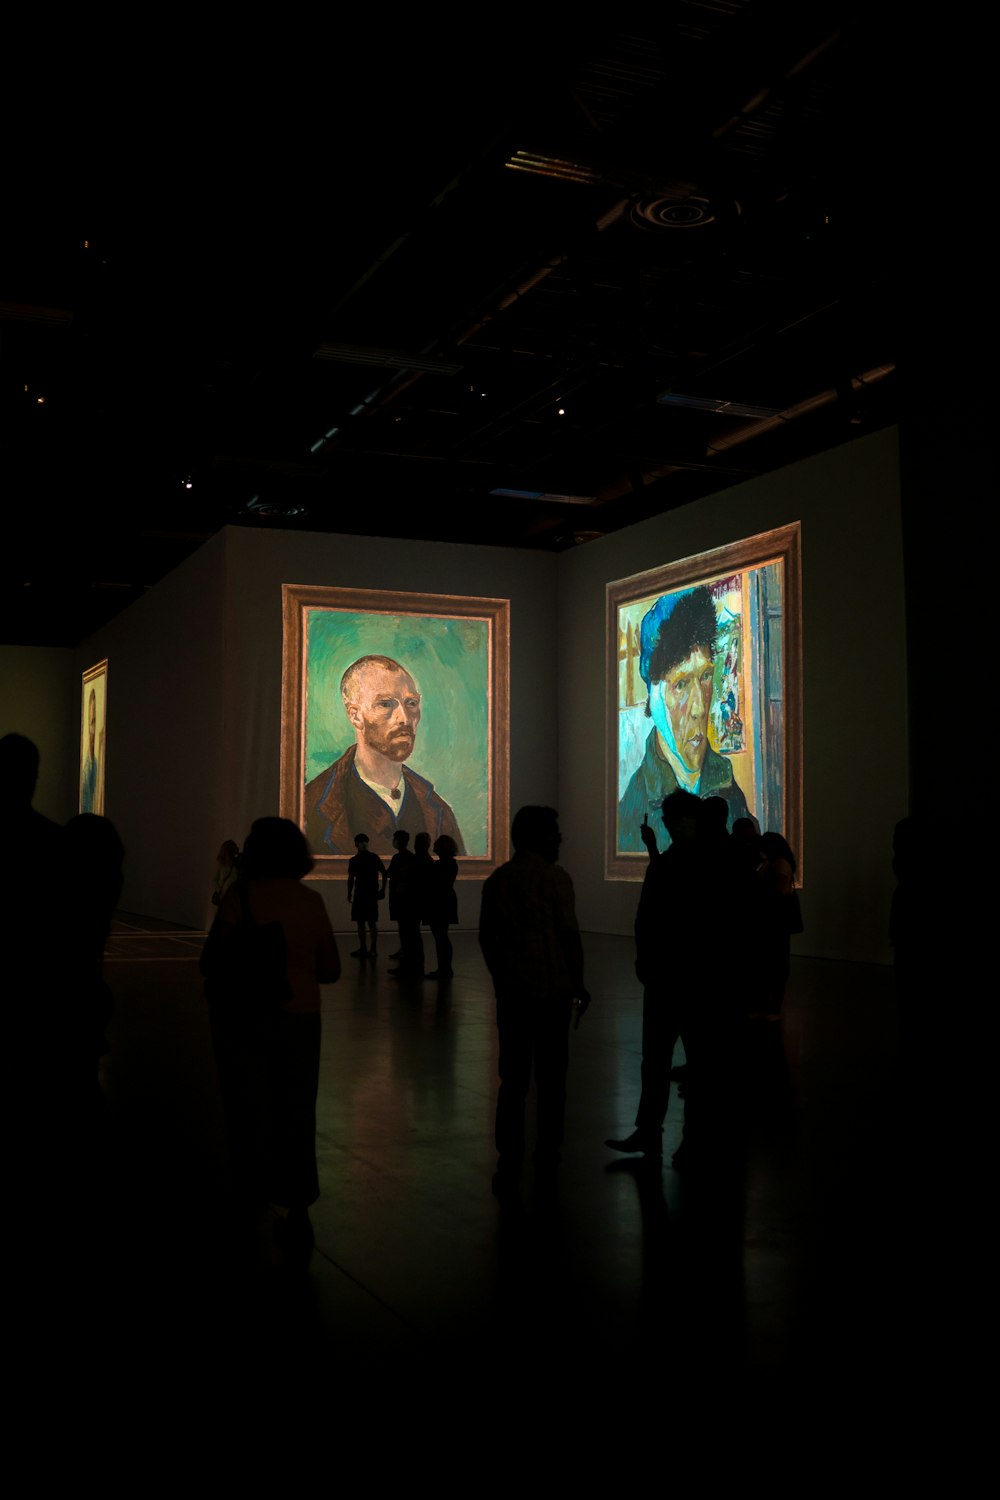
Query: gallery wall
[[259, 562], [37, 688], [166, 750], [854, 684], [194, 691]]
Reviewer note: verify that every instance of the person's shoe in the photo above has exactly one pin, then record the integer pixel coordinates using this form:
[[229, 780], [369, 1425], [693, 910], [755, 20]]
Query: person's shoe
[[638, 1141], [359, 953]]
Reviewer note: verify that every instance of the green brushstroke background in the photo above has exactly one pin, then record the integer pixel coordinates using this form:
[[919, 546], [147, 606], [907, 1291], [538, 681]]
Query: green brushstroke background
[[449, 661]]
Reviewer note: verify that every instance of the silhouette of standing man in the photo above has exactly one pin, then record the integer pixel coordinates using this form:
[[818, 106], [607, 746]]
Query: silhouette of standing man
[[30, 861], [404, 907], [530, 940], [677, 937], [366, 877]]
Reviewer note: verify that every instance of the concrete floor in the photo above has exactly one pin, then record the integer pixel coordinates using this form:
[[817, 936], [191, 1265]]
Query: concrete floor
[[631, 1288]]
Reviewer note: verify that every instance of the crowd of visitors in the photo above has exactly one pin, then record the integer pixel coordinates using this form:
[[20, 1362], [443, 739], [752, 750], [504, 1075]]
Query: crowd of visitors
[[271, 946]]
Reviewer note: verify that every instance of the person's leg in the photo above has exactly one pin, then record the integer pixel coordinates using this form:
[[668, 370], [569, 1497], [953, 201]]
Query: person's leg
[[295, 1182], [551, 1059], [778, 980], [443, 950], [660, 1030], [515, 1036], [245, 1095], [411, 946], [372, 938]]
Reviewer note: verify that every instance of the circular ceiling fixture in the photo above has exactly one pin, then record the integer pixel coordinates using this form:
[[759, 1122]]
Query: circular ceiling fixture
[[671, 212], [271, 508]]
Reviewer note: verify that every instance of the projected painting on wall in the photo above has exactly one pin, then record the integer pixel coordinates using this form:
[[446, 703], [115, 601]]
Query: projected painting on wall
[[93, 720], [703, 687], [394, 716]]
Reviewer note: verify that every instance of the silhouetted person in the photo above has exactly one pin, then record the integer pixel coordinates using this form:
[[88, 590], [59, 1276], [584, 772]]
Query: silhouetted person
[[91, 880], [530, 940], [423, 876], [746, 840], [366, 877], [779, 916], [404, 908], [226, 862], [745, 908], [720, 864], [676, 931], [30, 876], [268, 1060], [442, 905], [715, 820], [76, 1115], [713, 823], [29, 841], [60, 887], [648, 835]]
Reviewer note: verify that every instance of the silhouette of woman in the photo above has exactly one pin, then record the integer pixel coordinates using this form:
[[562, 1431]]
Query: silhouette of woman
[[778, 912], [269, 1069]]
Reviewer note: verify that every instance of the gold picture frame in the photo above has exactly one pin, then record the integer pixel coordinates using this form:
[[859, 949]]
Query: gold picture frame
[[753, 719], [93, 738], [456, 650]]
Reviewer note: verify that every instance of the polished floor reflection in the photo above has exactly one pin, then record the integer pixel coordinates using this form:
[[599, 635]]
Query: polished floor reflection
[[782, 1270]]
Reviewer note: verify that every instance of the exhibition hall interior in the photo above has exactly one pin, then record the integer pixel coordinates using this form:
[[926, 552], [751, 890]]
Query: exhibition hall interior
[[477, 358]]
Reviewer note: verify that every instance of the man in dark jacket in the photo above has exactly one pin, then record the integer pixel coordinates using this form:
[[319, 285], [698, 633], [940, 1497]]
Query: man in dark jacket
[[530, 940], [677, 938], [366, 878]]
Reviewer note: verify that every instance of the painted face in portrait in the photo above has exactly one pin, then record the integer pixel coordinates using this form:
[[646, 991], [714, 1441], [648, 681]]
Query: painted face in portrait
[[680, 704], [386, 711]]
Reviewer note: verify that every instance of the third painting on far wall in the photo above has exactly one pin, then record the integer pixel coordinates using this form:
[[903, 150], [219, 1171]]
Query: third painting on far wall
[[93, 737]]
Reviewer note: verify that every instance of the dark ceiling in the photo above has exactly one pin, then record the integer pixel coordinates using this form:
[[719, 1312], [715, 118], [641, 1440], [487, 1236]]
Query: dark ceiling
[[519, 291]]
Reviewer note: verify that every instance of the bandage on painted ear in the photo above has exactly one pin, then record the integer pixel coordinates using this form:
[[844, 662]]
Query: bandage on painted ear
[[686, 778]]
